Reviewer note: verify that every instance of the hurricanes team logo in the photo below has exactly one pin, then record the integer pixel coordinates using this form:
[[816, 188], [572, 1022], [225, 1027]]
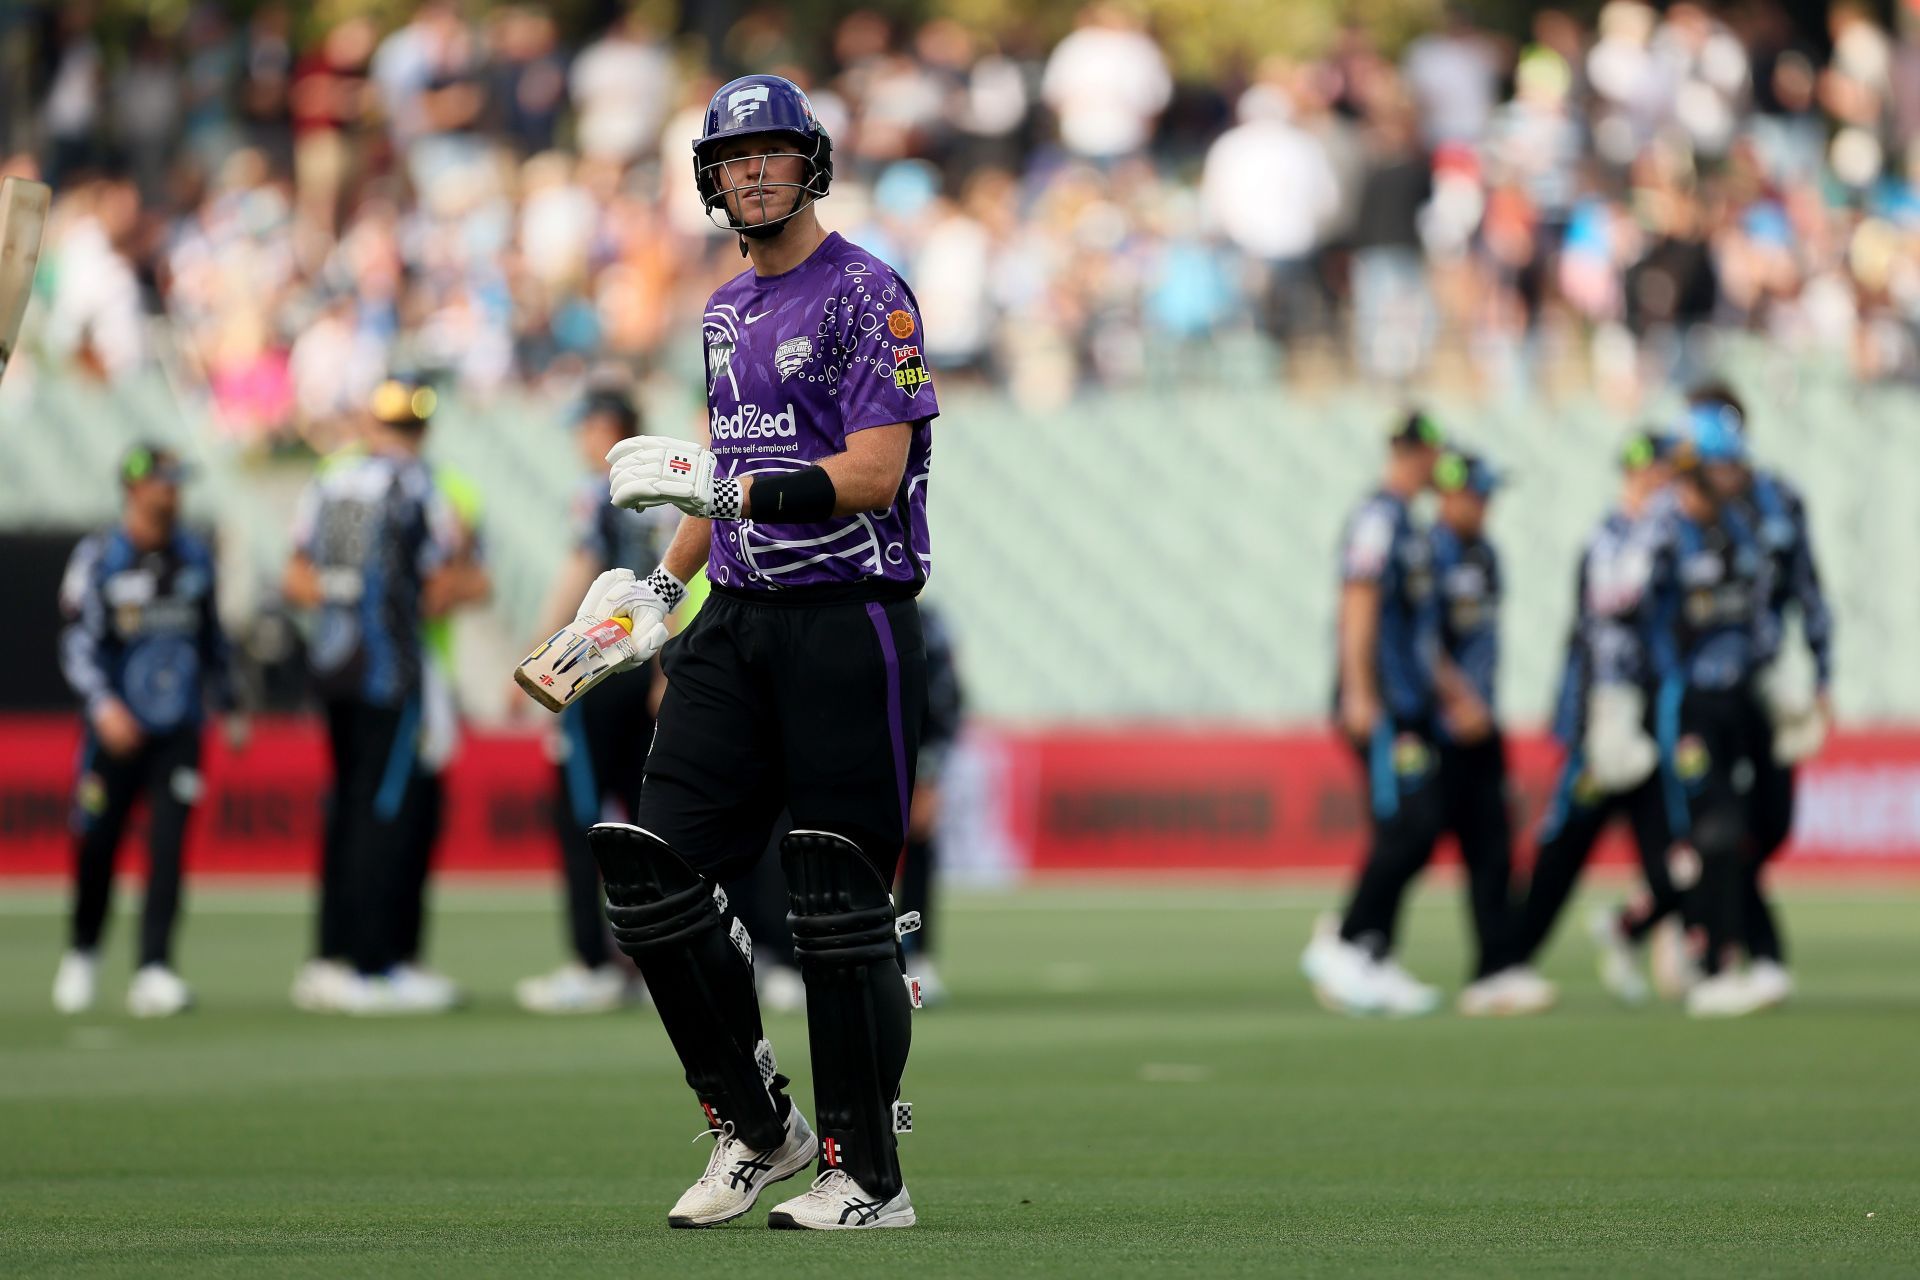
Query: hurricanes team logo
[[744, 103], [909, 370], [790, 356]]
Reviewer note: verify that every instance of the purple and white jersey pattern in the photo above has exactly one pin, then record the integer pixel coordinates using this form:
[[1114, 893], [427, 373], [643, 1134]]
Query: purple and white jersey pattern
[[796, 363]]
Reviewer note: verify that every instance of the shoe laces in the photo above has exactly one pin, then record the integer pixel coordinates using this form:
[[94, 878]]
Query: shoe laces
[[824, 1184], [720, 1159]]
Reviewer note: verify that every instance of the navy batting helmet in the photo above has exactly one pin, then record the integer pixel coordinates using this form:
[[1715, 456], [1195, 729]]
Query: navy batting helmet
[[761, 105]]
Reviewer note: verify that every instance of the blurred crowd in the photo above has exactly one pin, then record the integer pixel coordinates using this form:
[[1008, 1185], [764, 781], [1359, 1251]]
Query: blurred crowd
[[483, 196]]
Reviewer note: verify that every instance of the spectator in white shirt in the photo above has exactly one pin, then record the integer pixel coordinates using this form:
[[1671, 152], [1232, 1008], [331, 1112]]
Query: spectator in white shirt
[[1107, 83]]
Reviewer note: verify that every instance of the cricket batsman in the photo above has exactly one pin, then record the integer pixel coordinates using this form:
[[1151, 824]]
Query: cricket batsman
[[801, 685]]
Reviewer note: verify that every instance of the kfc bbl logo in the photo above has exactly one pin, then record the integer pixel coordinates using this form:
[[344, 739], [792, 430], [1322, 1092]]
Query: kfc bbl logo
[[909, 371]]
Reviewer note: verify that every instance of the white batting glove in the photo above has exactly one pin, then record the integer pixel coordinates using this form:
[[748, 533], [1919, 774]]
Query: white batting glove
[[1793, 704], [643, 603], [1620, 754], [653, 471]]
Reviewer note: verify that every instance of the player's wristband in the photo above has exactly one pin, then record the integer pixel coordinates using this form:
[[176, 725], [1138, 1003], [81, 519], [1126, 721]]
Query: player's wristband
[[726, 500], [669, 588], [796, 497]]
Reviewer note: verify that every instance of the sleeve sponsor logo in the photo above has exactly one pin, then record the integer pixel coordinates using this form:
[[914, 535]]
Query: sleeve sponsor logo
[[900, 324], [909, 370]]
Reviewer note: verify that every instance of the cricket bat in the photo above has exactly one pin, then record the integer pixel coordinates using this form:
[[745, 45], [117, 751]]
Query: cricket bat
[[23, 216], [570, 663]]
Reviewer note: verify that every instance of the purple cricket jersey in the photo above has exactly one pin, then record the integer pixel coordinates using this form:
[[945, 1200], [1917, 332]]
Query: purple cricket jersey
[[796, 363]]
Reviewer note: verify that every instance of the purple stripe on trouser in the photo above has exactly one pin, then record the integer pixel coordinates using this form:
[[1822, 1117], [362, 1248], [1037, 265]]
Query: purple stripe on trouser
[[884, 630]]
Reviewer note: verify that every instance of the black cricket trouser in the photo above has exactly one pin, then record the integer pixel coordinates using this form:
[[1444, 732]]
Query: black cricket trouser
[[1473, 784], [811, 708], [333, 927], [166, 768], [1774, 788], [1574, 820], [426, 807], [1720, 737], [367, 860], [917, 870], [758, 896], [604, 741], [1406, 813]]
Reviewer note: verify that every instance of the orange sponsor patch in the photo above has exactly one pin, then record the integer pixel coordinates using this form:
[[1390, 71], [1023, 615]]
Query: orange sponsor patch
[[900, 324]]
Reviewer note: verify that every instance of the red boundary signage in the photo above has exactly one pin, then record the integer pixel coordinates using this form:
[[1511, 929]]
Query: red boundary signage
[[1132, 800]]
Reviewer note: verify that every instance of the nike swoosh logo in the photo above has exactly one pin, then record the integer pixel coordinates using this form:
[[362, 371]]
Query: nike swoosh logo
[[762, 316]]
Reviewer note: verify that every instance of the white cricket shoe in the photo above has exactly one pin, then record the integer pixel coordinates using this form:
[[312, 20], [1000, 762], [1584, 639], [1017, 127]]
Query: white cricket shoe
[[76, 982], [1619, 965], [737, 1174], [365, 997], [781, 988], [1731, 994], [573, 988], [319, 984], [1341, 973], [396, 993], [425, 991], [157, 992], [1513, 992], [1401, 995], [1771, 981], [836, 1202], [1675, 971]]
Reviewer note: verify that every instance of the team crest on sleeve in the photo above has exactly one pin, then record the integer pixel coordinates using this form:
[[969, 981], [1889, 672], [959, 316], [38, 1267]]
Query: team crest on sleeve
[[790, 356], [900, 324], [909, 370]]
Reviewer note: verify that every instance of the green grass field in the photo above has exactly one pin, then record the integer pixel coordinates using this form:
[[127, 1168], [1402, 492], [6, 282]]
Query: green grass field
[[1128, 1082]]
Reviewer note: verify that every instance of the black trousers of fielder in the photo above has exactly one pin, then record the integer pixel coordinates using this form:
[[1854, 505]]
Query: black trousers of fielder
[[604, 749], [1574, 821], [368, 865], [815, 709], [1774, 786], [1473, 784], [1406, 813], [1771, 818], [1722, 745], [426, 815], [166, 770]]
